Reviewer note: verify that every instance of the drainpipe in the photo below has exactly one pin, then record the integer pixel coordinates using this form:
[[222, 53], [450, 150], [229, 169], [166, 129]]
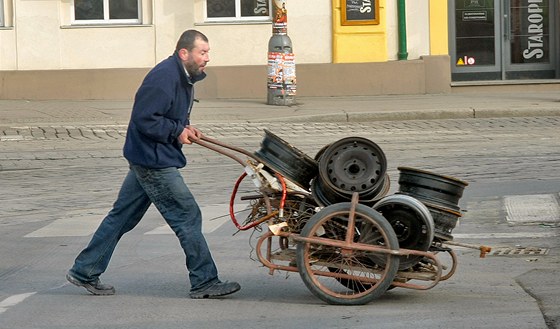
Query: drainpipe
[[401, 12]]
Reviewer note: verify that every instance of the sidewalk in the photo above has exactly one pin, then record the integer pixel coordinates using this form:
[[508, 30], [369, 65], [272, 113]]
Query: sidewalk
[[315, 109]]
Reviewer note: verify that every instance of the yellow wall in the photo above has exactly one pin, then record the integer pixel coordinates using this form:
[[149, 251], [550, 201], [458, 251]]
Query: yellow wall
[[362, 43], [375, 43], [438, 27]]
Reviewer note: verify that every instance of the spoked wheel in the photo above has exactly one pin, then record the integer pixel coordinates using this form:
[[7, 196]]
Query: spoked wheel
[[335, 263]]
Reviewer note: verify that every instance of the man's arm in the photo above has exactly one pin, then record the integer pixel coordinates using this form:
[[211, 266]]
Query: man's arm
[[148, 115]]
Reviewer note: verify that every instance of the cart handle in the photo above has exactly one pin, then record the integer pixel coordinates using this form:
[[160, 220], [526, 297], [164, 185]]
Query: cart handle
[[213, 143]]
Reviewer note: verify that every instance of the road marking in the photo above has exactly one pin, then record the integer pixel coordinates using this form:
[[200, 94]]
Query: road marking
[[213, 216], [505, 235], [11, 138], [13, 301], [71, 226], [537, 208], [542, 208]]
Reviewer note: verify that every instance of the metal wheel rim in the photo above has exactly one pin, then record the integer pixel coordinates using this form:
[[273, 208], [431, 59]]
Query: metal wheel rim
[[287, 160], [410, 235]]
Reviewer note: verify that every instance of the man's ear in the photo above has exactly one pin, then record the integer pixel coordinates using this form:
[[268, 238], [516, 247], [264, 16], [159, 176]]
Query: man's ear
[[183, 54]]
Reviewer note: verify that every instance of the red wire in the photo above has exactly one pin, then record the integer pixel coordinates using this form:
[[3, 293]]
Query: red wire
[[232, 202]]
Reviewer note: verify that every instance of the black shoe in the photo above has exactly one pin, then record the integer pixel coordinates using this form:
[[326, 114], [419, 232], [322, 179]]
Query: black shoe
[[216, 290], [96, 287]]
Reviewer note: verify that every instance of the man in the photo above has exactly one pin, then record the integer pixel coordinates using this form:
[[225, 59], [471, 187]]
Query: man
[[159, 126]]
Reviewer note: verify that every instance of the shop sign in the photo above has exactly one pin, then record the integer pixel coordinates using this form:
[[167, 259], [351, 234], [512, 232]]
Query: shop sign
[[359, 12], [535, 30], [479, 15]]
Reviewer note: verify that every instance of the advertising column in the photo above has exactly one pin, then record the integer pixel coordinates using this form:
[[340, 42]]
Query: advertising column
[[281, 82]]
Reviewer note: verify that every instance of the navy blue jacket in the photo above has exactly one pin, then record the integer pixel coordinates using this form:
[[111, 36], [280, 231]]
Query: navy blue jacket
[[161, 110]]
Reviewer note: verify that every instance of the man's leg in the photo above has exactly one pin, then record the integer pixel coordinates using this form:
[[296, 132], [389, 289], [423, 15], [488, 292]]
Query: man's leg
[[175, 202], [132, 203]]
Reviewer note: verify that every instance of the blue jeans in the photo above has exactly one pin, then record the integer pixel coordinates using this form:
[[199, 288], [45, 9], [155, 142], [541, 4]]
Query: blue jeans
[[166, 189]]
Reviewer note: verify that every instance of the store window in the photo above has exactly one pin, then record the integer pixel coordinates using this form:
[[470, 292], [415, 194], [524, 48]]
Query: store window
[[237, 10], [530, 31], [475, 32], [107, 11]]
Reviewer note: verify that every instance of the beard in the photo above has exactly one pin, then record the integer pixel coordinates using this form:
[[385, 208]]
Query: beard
[[193, 68]]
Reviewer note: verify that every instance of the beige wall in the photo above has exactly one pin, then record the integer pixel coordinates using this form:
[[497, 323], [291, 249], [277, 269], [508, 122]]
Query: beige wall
[[309, 29], [41, 36], [8, 58]]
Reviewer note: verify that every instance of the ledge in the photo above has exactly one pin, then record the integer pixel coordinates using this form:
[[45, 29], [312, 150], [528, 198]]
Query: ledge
[[95, 26]]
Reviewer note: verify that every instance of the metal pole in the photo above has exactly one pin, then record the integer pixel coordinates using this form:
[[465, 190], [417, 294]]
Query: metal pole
[[281, 82], [401, 10]]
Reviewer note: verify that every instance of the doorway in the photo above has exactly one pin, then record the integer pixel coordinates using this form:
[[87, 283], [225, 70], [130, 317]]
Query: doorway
[[503, 40]]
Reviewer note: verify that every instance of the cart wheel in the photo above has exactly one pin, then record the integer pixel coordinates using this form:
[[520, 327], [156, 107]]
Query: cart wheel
[[347, 276]]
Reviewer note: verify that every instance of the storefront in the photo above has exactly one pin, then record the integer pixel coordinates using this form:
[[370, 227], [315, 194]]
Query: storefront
[[503, 39]]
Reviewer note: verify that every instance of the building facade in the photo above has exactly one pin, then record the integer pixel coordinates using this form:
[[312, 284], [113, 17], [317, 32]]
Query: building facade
[[101, 49]]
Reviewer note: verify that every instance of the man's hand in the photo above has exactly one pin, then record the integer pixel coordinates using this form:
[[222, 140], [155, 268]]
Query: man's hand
[[189, 135]]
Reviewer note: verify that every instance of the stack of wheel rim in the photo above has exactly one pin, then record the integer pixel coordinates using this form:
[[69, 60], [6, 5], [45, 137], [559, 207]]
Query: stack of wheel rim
[[440, 193], [287, 160], [349, 165]]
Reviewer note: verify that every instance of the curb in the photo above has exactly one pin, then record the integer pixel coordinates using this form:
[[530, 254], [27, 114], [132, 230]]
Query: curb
[[466, 113]]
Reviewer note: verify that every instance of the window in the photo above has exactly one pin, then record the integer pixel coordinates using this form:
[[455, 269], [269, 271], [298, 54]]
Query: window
[[1, 13], [237, 10], [107, 11]]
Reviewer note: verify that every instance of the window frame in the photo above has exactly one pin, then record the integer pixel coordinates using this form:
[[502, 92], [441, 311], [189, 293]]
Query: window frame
[[238, 18], [106, 20]]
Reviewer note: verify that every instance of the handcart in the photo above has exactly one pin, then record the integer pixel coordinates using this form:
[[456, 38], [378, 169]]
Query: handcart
[[329, 218]]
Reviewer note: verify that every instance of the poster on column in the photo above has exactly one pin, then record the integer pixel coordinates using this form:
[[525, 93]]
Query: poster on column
[[282, 72], [280, 21]]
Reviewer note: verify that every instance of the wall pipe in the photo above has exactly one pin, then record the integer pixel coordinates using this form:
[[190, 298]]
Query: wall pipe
[[401, 12]]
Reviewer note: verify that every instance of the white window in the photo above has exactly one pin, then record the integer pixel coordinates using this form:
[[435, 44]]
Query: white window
[[107, 12], [237, 10]]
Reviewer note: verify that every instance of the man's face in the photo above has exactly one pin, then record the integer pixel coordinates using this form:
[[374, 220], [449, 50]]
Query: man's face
[[195, 60]]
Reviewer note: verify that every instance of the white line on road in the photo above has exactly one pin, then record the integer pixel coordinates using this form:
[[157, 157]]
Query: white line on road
[[13, 300], [70, 226], [213, 217], [505, 235]]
